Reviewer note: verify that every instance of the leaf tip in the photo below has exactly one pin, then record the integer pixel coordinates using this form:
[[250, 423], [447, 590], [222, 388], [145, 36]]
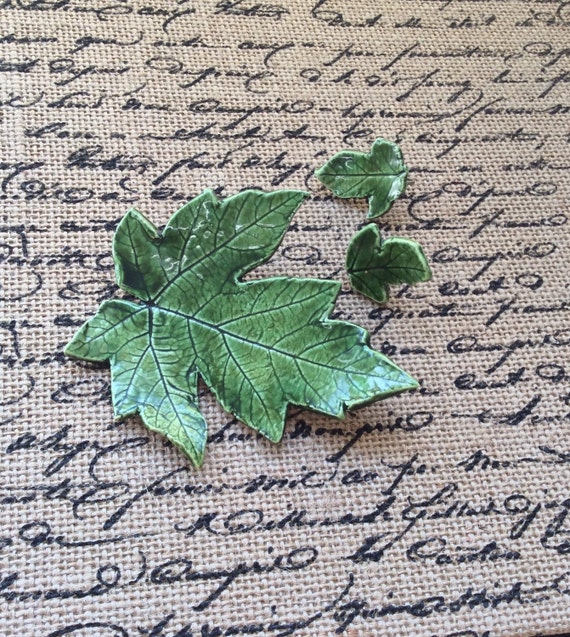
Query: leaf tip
[[427, 274], [197, 459], [409, 382], [302, 195], [77, 347], [325, 177], [273, 434], [68, 349], [206, 194], [137, 215]]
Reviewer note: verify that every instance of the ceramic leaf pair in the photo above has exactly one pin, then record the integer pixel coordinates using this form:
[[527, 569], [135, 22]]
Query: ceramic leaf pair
[[258, 345], [380, 175]]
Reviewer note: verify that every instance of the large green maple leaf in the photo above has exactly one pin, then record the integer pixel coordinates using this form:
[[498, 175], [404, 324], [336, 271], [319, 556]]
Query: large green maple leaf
[[259, 345]]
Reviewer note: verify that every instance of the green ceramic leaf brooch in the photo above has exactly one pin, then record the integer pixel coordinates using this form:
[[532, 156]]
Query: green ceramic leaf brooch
[[259, 345], [371, 263], [379, 175]]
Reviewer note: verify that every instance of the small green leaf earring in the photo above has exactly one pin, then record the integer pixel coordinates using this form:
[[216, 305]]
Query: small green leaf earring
[[373, 264], [379, 175]]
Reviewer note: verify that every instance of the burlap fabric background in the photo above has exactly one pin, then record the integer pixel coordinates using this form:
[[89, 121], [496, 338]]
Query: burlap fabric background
[[439, 512]]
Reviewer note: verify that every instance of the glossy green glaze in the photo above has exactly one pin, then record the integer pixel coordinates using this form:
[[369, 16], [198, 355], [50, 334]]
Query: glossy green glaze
[[379, 175], [373, 264], [258, 345]]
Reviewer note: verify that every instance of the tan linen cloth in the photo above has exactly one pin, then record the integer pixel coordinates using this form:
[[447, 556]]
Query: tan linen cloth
[[443, 511]]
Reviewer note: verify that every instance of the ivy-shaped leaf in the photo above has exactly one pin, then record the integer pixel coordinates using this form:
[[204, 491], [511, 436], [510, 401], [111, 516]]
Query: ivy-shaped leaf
[[259, 345], [379, 175], [373, 264]]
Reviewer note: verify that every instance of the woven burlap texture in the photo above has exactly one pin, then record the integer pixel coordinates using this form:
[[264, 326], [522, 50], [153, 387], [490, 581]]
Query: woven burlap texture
[[442, 511]]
